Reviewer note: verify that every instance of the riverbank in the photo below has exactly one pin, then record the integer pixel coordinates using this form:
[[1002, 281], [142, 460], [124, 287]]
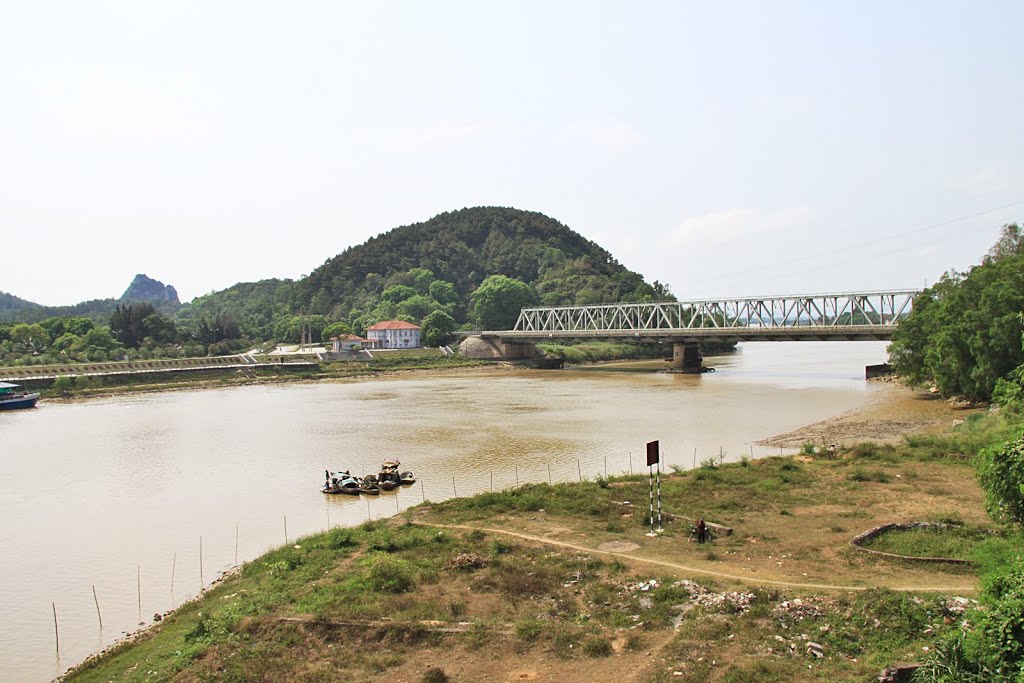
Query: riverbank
[[889, 416], [403, 363], [544, 582]]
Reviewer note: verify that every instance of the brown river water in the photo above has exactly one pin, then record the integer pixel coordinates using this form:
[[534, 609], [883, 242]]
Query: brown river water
[[115, 493]]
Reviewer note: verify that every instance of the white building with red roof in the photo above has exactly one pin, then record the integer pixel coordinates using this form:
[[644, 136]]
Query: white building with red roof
[[348, 342], [394, 334]]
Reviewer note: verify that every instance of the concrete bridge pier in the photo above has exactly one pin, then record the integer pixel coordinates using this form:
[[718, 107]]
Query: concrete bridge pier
[[495, 348], [686, 358]]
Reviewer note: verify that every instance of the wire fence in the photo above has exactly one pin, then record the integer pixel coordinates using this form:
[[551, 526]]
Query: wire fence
[[184, 574]]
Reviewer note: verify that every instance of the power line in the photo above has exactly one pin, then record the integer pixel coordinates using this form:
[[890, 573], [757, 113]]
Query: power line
[[863, 244]]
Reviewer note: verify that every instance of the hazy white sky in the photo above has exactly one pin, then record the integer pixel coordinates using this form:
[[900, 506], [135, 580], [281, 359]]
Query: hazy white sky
[[723, 148]]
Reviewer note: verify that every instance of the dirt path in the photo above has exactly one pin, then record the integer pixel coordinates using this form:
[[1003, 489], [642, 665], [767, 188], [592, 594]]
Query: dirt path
[[696, 570]]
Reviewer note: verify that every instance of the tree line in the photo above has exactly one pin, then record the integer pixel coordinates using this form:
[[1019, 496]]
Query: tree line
[[965, 337]]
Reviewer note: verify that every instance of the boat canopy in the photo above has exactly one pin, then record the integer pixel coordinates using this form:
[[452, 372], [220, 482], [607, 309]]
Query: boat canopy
[[7, 386]]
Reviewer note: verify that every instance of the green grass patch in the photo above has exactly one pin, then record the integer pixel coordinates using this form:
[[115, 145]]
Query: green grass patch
[[959, 543]]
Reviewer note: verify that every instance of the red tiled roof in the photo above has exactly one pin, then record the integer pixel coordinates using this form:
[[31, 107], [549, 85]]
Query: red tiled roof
[[393, 325], [349, 338]]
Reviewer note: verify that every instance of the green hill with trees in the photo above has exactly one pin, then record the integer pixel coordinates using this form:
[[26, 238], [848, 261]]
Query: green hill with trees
[[469, 268], [472, 268]]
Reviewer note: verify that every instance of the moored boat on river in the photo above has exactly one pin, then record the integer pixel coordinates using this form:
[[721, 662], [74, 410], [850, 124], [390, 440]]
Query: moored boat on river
[[340, 482], [369, 485], [13, 397], [389, 473]]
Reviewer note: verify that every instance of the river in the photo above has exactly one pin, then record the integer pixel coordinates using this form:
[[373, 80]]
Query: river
[[119, 494]]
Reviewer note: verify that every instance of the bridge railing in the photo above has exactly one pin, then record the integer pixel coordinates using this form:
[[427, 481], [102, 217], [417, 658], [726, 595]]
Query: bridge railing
[[852, 309]]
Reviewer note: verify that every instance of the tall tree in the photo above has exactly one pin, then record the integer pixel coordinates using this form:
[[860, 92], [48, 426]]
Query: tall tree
[[126, 322], [498, 300], [437, 328]]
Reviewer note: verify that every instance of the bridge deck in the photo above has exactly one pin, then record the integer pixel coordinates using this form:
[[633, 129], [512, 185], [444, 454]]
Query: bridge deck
[[830, 317], [706, 334]]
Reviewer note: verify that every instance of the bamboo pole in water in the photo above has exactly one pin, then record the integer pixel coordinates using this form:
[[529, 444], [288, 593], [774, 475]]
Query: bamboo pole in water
[[174, 562], [56, 632], [201, 582], [236, 542], [138, 587], [97, 601]]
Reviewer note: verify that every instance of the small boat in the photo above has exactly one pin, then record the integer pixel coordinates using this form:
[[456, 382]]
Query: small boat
[[408, 478], [389, 476], [349, 486], [340, 482], [13, 397], [369, 486]]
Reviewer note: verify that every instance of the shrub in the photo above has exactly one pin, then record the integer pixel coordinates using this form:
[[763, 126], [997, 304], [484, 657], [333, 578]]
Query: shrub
[[861, 474], [1001, 475], [529, 630], [597, 647], [387, 574], [435, 675]]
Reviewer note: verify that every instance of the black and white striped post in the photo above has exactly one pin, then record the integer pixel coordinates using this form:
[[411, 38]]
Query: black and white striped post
[[653, 458]]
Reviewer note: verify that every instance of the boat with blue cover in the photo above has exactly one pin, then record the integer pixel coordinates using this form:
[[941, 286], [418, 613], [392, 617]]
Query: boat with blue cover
[[13, 397]]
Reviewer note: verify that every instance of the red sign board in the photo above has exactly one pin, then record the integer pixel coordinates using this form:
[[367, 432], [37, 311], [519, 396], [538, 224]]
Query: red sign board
[[652, 453]]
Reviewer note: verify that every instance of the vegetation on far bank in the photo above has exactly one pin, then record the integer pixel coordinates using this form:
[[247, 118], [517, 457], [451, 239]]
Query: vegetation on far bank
[[964, 334]]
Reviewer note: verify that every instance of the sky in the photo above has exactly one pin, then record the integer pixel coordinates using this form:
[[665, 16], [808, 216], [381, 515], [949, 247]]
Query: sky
[[726, 148]]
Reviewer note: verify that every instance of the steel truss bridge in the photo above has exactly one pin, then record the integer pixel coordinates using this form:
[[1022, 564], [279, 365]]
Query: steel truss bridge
[[814, 317]]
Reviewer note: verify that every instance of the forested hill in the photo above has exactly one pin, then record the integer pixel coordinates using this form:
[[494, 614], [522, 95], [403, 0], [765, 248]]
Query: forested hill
[[469, 268], [15, 308], [465, 247]]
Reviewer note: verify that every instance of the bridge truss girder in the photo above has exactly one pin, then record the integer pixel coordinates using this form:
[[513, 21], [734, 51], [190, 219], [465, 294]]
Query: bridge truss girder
[[848, 316]]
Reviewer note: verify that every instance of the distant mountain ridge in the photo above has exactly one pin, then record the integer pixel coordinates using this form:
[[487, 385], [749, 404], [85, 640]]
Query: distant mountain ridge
[[142, 288]]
